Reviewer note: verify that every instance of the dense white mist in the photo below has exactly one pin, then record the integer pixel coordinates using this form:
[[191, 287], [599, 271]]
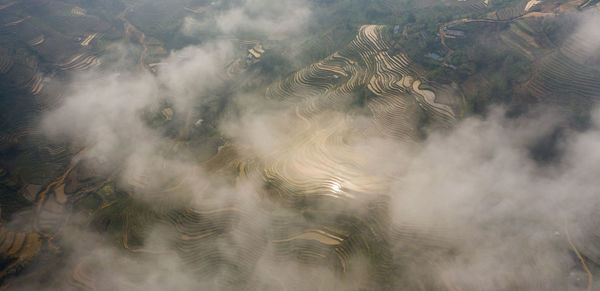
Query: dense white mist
[[505, 215], [589, 22], [268, 17], [274, 19]]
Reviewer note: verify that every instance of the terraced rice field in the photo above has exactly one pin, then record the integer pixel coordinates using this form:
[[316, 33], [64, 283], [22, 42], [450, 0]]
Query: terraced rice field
[[317, 165], [473, 5], [199, 233], [512, 12], [89, 39], [306, 168], [52, 202], [37, 41], [15, 22], [17, 248], [568, 71], [78, 11], [314, 178], [522, 39], [52, 214], [79, 62], [6, 63], [36, 84], [366, 62], [560, 75]]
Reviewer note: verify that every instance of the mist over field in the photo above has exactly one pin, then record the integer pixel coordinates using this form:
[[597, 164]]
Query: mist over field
[[219, 167]]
